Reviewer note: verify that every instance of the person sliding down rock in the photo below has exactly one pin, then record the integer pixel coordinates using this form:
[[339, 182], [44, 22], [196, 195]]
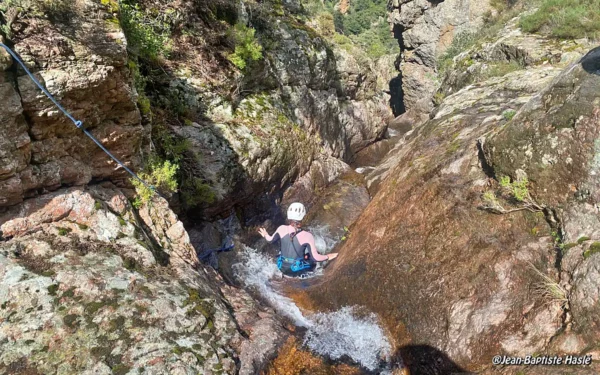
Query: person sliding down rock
[[298, 254]]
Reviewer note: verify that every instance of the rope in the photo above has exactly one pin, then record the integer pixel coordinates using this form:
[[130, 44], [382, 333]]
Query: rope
[[77, 123]]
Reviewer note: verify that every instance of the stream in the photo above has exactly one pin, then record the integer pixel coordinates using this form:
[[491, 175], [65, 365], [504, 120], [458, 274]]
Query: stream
[[349, 334], [336, 334]]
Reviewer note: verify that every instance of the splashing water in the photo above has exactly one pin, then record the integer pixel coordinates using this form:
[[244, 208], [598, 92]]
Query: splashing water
[[324, 240], [335, 334], [255, 272]]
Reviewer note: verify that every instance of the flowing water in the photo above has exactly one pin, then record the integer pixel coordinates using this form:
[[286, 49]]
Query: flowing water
[[334, 334], [324, 241]]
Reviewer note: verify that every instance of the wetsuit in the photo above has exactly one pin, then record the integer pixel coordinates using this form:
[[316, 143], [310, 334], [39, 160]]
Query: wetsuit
[[296, 245]]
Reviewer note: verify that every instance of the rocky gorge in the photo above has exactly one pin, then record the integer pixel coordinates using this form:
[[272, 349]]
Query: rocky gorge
[[457, 181]]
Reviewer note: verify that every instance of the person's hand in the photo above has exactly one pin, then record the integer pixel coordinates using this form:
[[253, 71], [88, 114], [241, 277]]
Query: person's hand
[[332, 256], [263, 232]]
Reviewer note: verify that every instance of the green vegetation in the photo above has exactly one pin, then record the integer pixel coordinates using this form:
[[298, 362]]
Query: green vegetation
[[464, 41], [517, 191], [93, 307], [593, 249], [518, 188], [378, 41], [116, 323], [171, 147], [132, 265], [363, 24], [70, 320], [361, 15], [247, 47], [583, 239], [195, 192], [160, 174], [502, 68], [502, 5], [120, 369], [9, 10], [453, 147], [490, 198], [468, 39], [346, 234], [63, 231], [147, 36], [509, 114], [438, 98], [52, 289], [199, 306], [565, 19], [113, 5], [461, 43], [140, 82]]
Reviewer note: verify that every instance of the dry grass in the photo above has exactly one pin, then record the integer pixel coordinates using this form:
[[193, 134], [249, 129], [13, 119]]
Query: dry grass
[[549, 289]]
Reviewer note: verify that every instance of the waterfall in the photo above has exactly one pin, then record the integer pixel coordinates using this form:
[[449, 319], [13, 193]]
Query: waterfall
[[333, 334]]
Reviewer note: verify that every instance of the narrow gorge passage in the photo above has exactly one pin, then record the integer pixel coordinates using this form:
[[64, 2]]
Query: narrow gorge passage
[[447, 150]]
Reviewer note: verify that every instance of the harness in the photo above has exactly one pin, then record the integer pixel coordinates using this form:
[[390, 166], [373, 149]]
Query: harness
[[296, 265]]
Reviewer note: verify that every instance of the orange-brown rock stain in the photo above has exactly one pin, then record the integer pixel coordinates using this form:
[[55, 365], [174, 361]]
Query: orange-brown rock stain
[[292, 360], [301, 299]]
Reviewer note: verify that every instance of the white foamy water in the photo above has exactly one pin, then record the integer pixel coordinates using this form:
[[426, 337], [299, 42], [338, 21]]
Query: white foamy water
[[334, 334], [324, 241]]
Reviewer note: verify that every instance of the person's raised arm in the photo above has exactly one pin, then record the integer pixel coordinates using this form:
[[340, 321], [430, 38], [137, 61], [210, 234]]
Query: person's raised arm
[[276, 236]]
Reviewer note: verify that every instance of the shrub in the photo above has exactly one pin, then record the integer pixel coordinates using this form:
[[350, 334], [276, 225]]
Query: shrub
[[161, 175], [377, 41], [195, 192], [171, 146], [362, 14], [326, 24], [502, 5], [247, 48], [147, 36], [565, 19], [140, 82], [518, 188], [460, 43], [509, 114]]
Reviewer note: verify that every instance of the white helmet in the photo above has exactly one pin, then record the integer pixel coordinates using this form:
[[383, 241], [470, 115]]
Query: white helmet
[[296, 212]]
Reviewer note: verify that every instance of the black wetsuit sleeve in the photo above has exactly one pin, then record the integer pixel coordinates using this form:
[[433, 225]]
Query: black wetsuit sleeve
[[275, 238]]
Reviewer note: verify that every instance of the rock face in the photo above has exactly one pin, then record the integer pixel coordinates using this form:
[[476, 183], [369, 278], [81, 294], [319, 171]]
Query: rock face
[[553, 141], [40, 149], [305, 100], [89, 285], [445, 271], [425, 29]]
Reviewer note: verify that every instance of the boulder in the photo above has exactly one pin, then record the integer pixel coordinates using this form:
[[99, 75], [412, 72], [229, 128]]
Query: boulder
[[442, 269]]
